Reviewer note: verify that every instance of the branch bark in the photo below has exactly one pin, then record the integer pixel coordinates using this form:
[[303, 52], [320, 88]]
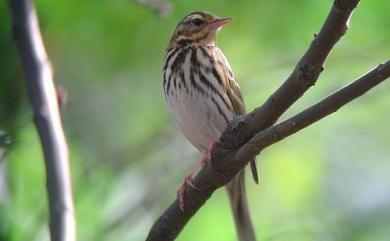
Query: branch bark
[[42, 94]]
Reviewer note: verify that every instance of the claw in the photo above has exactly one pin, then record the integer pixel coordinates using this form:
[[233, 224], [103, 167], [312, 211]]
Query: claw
[[181, 190], [206, 159]]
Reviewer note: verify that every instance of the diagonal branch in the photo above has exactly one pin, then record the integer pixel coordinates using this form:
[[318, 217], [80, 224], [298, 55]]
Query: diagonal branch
[[301, 79], [327, 106], [40, 87]]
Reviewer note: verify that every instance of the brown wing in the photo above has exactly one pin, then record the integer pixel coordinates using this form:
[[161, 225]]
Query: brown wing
[[234, 93]]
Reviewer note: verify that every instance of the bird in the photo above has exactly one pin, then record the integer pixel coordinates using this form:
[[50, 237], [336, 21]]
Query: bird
[[202, 95]]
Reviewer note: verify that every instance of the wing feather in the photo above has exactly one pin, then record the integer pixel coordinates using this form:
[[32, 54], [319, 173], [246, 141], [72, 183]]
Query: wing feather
[[233, 91]]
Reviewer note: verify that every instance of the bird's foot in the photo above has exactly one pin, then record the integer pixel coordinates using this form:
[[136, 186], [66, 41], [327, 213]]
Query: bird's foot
[[182, 188], [206, 159]]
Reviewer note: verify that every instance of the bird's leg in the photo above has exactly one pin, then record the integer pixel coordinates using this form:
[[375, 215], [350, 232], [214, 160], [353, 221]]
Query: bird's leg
[[187, 181], [206, 159]]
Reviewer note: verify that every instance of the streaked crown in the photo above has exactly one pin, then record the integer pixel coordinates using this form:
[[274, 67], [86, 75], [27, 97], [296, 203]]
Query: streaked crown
[[197, 28]]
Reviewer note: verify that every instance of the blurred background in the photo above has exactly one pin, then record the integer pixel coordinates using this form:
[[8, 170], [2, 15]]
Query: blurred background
[[328, 182]]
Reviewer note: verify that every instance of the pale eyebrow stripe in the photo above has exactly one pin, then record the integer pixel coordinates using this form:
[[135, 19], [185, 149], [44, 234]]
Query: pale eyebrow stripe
[[195, 16]]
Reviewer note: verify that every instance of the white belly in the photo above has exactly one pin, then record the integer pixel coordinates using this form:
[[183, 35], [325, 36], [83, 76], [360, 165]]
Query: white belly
[[198, 118]]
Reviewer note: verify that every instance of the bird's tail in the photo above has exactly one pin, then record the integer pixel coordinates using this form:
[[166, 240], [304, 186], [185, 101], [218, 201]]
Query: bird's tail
[[239, 204]]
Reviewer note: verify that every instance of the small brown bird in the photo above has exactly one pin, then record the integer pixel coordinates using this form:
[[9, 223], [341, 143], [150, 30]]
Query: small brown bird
[[203, 96]]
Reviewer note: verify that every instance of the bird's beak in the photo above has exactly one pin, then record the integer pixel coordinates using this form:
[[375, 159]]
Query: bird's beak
[[219, 22]]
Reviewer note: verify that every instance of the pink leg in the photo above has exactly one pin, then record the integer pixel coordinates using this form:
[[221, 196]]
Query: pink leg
[[182, 188], [205, 161]]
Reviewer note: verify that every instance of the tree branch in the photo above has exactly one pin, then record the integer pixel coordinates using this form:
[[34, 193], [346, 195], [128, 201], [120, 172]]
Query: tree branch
[[327, 106], [300, 80], [41, 90]]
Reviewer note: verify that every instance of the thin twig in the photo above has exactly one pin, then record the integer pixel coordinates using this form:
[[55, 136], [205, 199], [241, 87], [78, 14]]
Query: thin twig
[[43, 97], [327, 106]]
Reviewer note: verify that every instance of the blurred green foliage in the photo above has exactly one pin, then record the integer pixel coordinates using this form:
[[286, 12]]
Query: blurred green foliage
[[328, 182]]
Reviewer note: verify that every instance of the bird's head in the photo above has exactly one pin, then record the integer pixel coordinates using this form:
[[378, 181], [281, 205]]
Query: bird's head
[[197, 28]]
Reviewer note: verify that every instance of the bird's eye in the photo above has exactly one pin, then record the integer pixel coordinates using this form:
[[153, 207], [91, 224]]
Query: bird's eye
[[197, 22]]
